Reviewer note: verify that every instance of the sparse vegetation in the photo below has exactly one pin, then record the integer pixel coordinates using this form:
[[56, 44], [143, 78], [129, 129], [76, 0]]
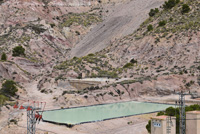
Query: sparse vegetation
[[153, 12], [38, 29], [172, 21], [170, 4], [84, 19], [108, 74], [187, 85], [98, 66]]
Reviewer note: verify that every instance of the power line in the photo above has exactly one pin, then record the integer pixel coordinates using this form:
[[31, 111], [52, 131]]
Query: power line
[[189, 119], [33, 115], [181, 104]]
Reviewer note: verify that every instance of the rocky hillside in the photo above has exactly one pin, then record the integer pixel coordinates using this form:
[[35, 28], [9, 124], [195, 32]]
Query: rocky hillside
[[159, 57], [123, 21], [37, 35], [81, 52], [47, 31]]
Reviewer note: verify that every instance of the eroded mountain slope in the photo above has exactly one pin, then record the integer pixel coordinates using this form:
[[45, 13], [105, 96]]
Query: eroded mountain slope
[[47, 30], [147, 62], [124, 20]]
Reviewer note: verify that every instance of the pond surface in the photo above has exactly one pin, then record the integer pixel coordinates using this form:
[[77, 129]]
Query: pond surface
[[93, 113]]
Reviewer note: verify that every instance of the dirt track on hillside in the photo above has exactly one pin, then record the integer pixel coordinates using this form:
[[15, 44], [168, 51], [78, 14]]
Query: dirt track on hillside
[[125, 19]]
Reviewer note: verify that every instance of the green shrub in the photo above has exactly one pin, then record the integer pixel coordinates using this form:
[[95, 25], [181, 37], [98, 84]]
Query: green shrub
[[77, 33], [38, 29], [91, 54], [128, 65], [52, 25], [3, 99], [14, 121], [18, 51], [156, 10], [150, 27], [80, 76], [133, 61], [174, 112], [162, 23], [9, 88], [189, 84], [170, 4], [170, 111], [185, 8], [160, 113], [3, 57], [1, 1], [153, 12], [111, 93], [170, 19], [148, 127]]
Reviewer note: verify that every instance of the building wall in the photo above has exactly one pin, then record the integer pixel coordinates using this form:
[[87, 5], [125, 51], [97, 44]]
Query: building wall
[[192, 126], [173, 128], [158, 126], [198, 124], [162, 128]]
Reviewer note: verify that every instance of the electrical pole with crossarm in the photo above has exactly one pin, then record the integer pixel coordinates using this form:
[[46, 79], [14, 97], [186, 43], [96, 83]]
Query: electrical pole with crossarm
[[34, 113], [181, 104]]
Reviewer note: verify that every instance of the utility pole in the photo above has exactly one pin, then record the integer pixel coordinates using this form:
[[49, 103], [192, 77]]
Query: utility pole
[[181, 104], [33, 115], [31, 119]]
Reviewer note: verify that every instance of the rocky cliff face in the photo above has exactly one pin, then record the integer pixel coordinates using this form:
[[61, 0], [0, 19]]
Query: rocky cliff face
[[124, 53], [155, 62], [55, 34], [46, 29]]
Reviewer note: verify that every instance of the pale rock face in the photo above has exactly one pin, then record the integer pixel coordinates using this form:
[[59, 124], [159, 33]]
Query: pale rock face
[[72, 74], [66, 31], [43, 22], [5, 31]]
